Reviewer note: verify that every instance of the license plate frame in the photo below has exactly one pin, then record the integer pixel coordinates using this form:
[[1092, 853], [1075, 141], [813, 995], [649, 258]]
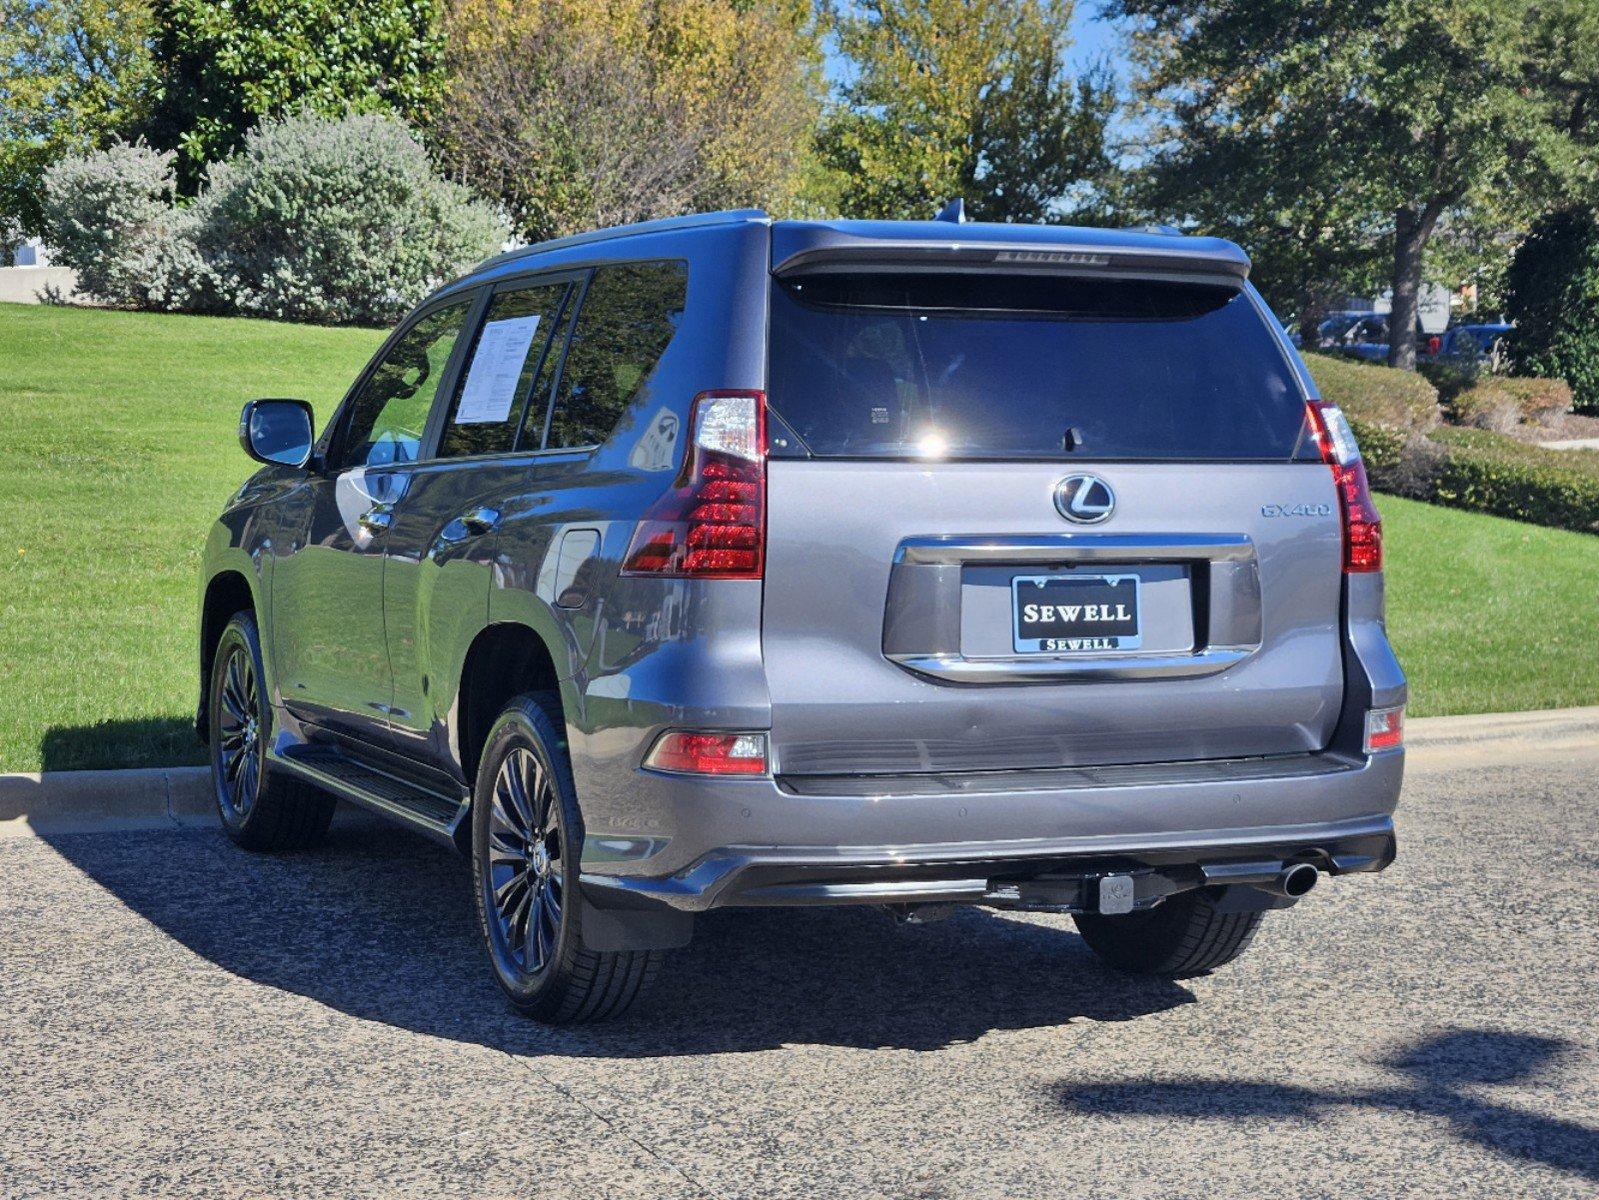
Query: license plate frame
[[1105, 589]]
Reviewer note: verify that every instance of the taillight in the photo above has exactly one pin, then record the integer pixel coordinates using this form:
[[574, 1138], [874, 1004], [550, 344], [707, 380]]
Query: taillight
[[1385, 729], [1362, 524], [1434, 344], [687, 753], [712, 523]]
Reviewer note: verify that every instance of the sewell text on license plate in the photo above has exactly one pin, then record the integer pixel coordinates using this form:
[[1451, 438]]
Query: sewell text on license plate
[[1075, 614]]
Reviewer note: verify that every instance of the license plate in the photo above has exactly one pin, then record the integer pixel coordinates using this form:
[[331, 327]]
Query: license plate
[[1075, 614]]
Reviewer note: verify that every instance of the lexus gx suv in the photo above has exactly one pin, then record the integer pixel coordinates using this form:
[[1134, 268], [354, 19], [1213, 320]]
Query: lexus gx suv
[[724, 561]]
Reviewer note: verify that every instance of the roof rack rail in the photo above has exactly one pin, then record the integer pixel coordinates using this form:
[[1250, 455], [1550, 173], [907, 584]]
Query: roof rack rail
[[1154, 227], [731, 216]]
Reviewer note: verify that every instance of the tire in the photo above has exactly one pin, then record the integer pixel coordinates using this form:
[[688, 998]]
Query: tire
[[260, 809], [527, 837], [1183, 937]]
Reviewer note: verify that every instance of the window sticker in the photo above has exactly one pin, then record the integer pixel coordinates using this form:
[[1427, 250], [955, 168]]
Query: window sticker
[[496, 368]]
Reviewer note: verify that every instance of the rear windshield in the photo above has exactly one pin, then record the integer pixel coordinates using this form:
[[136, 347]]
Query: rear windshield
[[1016, 366]]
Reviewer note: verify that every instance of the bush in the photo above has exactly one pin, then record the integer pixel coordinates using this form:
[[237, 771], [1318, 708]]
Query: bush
[[336, 221], [1501, 402], [1487, 472], [109, 216], [331, 221], [1553, 296], [1372, 395], [1395, 414]]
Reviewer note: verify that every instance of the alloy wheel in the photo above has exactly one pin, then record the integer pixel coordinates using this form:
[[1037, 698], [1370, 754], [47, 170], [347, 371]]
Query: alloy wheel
[[524, 877], [239, 743]]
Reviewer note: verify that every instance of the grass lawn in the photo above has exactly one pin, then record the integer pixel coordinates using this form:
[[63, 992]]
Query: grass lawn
[[1490, 615], [117, 448]]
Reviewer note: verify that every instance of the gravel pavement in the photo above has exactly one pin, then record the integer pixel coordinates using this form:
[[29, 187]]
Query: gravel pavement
[[179, 1018]]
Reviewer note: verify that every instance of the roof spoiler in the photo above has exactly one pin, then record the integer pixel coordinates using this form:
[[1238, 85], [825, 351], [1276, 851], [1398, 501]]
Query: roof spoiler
[[1175, 258]]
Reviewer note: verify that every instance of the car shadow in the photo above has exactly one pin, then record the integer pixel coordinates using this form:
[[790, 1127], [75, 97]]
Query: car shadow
[[105, 745], [379, 923], [1436, 1071]]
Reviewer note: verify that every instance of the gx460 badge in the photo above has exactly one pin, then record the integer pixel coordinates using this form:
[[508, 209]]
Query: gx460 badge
[[1296, 510]]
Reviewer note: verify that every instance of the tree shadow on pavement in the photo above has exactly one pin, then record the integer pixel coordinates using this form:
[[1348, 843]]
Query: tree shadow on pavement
[[1437, 1073], [379, 923]]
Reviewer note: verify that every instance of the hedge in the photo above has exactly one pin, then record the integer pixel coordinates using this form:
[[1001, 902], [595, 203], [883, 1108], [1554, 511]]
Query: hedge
[[1374, 395], [1486, 472], [1395, 416], [1504, 401]]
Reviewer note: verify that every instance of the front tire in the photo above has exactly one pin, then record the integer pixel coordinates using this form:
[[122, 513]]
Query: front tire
[[527, 836], [260, 809], [1186, 935]]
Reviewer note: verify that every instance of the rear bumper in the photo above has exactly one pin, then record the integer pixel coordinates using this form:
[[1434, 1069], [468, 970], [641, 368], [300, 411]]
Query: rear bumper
[[975, 837]]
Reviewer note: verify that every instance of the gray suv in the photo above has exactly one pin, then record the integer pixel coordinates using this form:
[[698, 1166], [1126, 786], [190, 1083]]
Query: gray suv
[[724, 561]]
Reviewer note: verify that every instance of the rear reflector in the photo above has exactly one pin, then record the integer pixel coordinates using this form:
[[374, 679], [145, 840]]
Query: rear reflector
[[1385, 729], [690, 753], [1362, 524], [712, 523]]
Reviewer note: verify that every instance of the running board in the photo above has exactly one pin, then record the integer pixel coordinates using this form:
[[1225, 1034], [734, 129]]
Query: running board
[[389, 795]]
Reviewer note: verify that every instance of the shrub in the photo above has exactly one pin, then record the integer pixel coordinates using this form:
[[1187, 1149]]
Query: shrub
[[1372, 395], [109, 215], [336, 221], [1501, 402], [1553, 296], [333, 221], [1487, 472]]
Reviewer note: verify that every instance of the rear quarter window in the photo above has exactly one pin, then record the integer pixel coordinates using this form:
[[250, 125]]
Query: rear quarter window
[[629, 315], [1030, 367]]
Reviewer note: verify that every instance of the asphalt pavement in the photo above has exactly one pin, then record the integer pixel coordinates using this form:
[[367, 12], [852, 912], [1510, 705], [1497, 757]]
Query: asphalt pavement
[[180, 1018]]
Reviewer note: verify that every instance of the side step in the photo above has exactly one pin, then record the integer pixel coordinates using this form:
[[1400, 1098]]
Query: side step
[[388, 794]]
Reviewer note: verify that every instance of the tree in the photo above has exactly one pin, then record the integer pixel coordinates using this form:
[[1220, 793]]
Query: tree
[[224, 67], [1363, 126], [74, 76], [574, 115], [1553, 287], [968, 98]]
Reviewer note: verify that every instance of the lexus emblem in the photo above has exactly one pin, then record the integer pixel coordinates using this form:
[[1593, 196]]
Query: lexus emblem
[[1085, 499]]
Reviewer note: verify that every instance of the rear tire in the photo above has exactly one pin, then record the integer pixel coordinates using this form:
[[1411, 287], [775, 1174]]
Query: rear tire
[[527, 838], [1186, 935], [260, 809]]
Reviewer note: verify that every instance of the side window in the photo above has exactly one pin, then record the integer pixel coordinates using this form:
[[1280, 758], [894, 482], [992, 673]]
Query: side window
[[389, 414], [503, 371], [628, 317]]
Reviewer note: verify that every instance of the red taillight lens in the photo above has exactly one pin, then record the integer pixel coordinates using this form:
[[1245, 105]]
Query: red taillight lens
[[713, 520], [708, 753], [1385, 728], [1434, 344], [1362, 524]]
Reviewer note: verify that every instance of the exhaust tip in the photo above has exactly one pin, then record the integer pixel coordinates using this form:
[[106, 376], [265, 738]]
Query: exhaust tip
[[1298, 879]]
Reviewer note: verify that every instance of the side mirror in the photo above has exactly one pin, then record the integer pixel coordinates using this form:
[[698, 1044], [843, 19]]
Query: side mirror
[[277, 432]]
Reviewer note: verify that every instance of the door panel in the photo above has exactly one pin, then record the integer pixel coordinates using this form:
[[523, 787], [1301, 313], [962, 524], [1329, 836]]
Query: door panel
[[441, 548], [436, 592], [329, 640], [327, 601]]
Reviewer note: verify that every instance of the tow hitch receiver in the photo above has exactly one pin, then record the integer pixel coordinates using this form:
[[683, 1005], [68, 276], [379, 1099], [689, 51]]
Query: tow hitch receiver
[[1115, 894]]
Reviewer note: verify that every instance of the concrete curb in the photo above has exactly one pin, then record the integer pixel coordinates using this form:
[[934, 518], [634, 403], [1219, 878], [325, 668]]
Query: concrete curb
[[105, 801], [1549, 724], [180, 797]]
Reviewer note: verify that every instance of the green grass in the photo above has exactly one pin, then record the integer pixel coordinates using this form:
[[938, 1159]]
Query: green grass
[[117, 448], [1490, 615]]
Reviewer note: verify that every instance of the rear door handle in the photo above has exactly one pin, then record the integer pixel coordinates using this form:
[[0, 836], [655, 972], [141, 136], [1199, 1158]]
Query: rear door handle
[[376, 519], [480, 521]]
